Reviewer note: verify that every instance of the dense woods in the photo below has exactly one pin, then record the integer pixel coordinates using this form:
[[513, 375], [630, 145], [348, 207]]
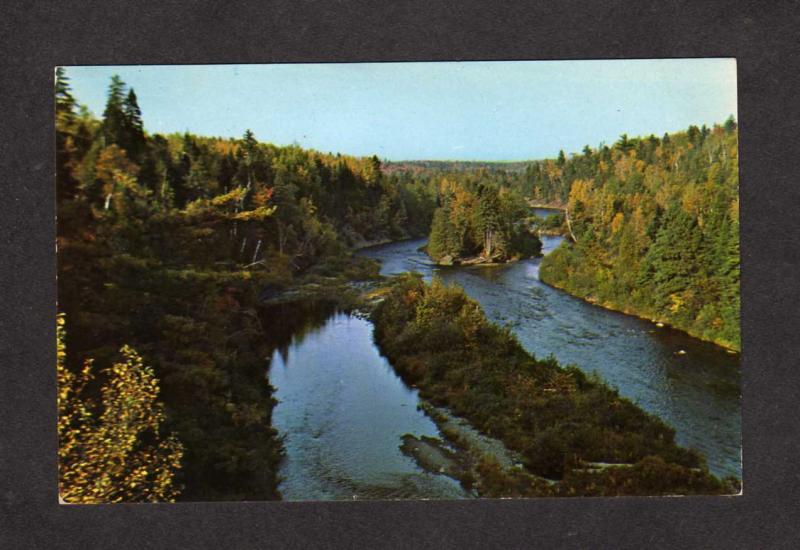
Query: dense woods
[[176, 254], [564, 422], [481, 221], [165, 244], [656, 223]]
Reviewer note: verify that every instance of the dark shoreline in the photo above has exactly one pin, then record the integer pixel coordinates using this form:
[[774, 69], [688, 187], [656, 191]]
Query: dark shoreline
[[611, 307]]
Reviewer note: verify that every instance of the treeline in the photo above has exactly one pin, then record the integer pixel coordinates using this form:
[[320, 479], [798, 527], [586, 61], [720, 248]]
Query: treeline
[[577, 435], [480, 219], [166, 242], [656, 225], [456, 166]]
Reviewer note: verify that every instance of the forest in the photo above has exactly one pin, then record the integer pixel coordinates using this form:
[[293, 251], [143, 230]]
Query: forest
[[480, 222], [166, 245], [655, 225], [170, 247]]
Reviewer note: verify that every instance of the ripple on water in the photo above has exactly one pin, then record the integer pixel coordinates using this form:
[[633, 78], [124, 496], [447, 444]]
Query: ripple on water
[[697, 393], [342, 411]]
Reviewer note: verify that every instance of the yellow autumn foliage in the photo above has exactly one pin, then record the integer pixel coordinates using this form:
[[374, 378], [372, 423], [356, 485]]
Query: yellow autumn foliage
[[113, 451]]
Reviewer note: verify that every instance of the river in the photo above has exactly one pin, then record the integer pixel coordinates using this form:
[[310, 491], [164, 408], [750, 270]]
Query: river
[[342, 409], [342, 412]]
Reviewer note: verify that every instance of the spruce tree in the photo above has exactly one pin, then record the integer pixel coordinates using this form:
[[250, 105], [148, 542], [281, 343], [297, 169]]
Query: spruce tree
[[133, 139], [443, 240], [673, 259], [66, 154], [730, 125], [114, 118]]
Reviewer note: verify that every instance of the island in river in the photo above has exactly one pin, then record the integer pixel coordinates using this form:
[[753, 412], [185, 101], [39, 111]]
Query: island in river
[[327, 430], [169, 246], [480, 224]]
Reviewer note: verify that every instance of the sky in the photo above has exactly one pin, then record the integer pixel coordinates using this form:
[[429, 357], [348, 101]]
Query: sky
[[509, 110]]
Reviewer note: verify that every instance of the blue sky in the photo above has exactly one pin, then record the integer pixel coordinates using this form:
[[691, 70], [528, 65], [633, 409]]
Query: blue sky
[[514, 110]]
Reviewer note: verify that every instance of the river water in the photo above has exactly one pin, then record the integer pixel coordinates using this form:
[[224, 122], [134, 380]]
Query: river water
[[342, 409]]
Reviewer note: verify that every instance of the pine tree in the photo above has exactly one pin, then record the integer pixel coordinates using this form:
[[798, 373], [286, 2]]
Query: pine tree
[[443, 240], [66, 147], [673, 260], [249, 155], [624, 143], [489, 222], [115, 124], [65, 103], [730, 125], [133, 139], [373, 177]]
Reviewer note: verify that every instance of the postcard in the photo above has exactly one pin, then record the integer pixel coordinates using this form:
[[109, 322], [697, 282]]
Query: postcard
[[423, 280]]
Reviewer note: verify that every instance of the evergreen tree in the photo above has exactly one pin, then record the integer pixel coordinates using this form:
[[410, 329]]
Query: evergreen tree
[[249, 155], [489, 223], [443, 240], [65, 103], [66, 146], [624, 144], [115, 123], [133, 139], [673, 261], [730, 125]]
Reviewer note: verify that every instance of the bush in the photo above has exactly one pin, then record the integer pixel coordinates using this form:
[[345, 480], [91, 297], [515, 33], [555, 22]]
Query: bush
[[558, 418]]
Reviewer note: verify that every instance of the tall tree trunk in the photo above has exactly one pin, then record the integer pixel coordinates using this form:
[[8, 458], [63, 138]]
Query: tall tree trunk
[[569, 224]]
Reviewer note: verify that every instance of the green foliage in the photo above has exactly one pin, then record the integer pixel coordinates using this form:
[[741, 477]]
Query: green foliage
[[479, 218], [165, 243], [559, 419], [113, 450], [657, 228]]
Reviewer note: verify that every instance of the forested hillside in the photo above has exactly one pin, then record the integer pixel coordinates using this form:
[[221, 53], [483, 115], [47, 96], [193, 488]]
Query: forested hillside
[[656, 224], [169, 246], [456, 166], [578, 437], [165, 243]]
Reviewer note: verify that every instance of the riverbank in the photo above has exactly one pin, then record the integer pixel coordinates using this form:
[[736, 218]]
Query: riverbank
[[546, 205], [559, 420], [659, 322], [450, 261], [466, 455]]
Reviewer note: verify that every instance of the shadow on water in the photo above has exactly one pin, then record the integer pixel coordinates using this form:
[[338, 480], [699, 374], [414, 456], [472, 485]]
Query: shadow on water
[[288, 322], [693, 385], [342, 410]]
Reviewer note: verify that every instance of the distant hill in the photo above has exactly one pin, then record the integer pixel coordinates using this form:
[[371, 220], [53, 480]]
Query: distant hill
[[415, 166]]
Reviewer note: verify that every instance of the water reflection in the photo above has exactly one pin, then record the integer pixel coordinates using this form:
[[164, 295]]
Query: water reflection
[[697, 393], [342, 411]]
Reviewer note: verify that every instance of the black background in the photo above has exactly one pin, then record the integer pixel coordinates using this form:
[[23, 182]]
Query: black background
[[36, 36]]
